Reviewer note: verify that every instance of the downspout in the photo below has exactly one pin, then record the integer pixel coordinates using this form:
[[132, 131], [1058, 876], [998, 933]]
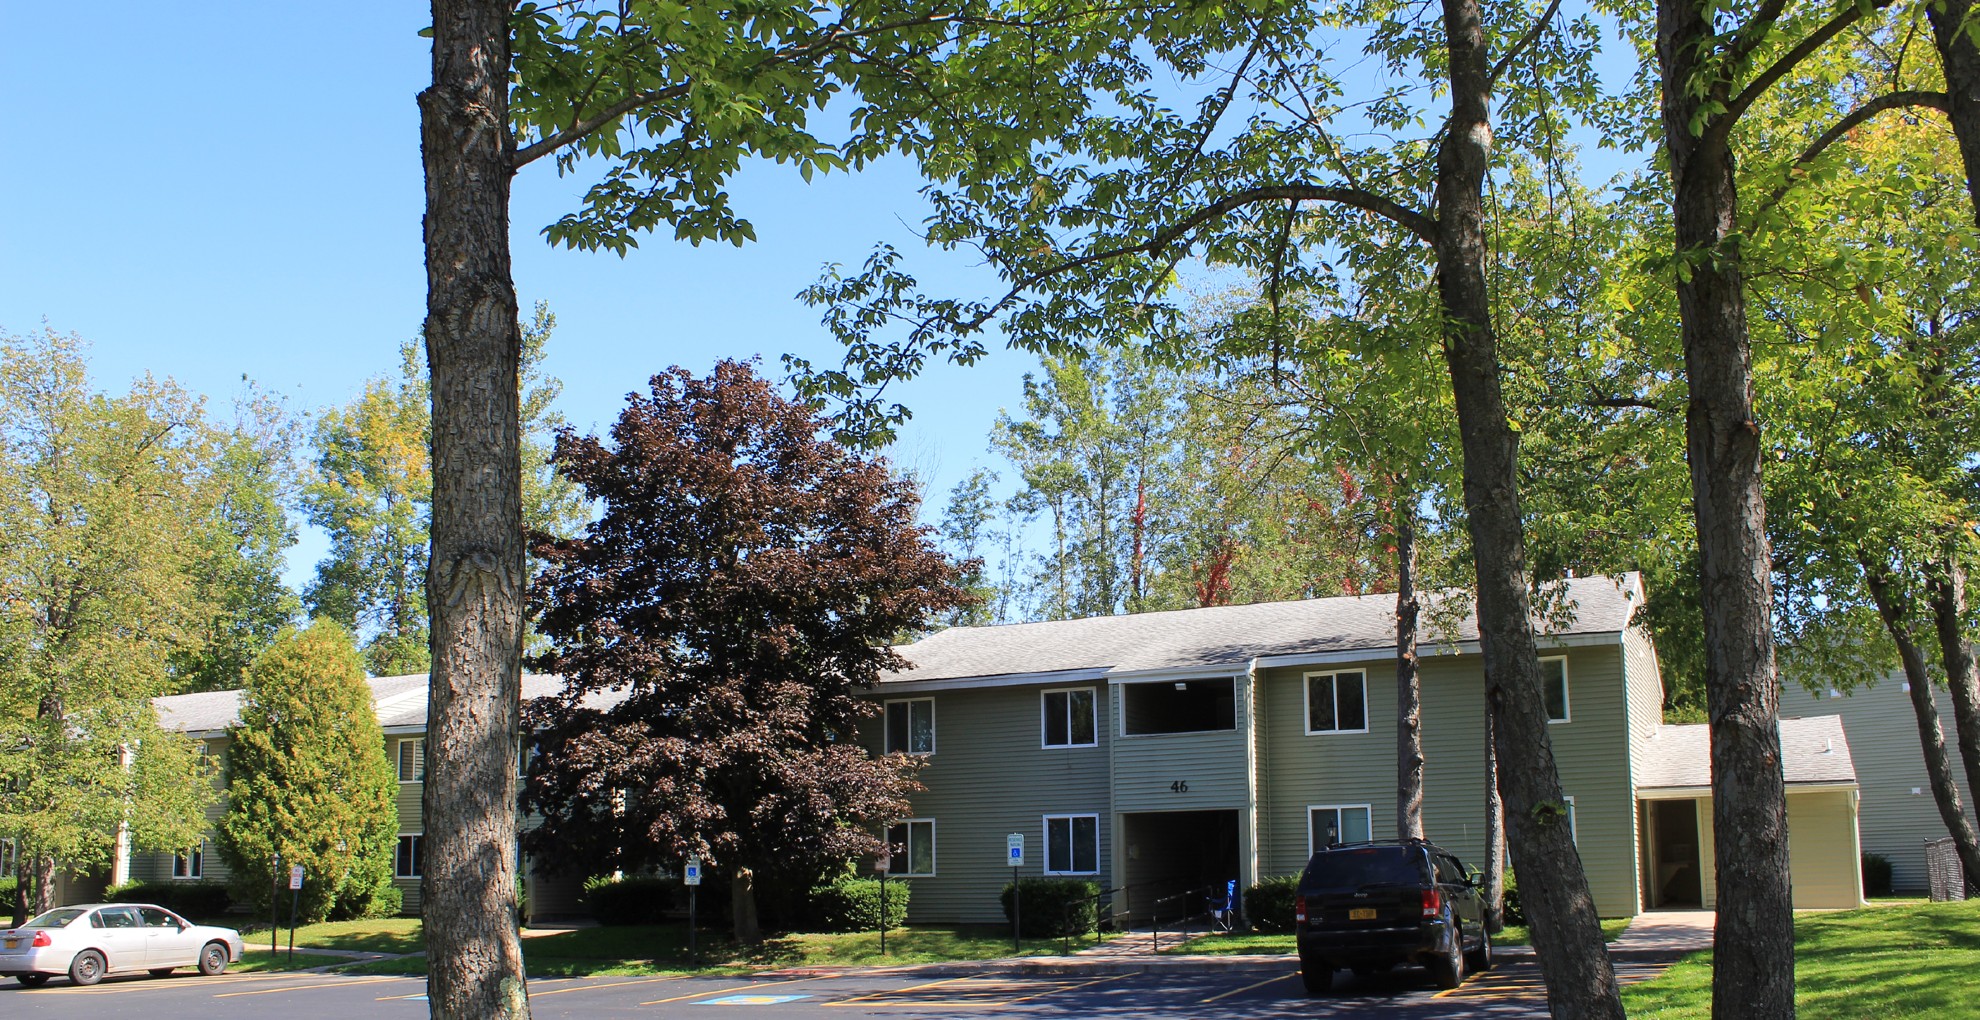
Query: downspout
[[1248, 852], [120, 855]]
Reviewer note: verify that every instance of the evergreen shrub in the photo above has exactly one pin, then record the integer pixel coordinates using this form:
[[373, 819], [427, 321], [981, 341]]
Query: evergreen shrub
[[620, 901], [200, 901], [1514, 912], [1269, 904], [1053, 907], [853, 904]]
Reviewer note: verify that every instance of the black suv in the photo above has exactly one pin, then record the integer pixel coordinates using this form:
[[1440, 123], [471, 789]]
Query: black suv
[[1370, 906]]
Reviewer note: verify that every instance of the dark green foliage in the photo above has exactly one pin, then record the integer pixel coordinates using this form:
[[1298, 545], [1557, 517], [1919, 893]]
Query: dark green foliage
[[1054, 907], [200, 901], [9, 896], [617, 901], [308, 780], [1876, 875], [1269, 904], [853, 904], [1514, 913], [356, 903]]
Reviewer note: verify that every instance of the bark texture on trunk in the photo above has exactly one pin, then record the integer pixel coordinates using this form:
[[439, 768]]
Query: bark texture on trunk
[[1753, 976], [1409, 685], [1960, 59], [1931, 736], [742, 907], [1575, 963], [1495, 832], [475, 574], [1947, 585], [38, 885]]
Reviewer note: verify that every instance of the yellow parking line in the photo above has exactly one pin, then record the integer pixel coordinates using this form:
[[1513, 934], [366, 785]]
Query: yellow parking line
[[333, 982], [738, 988], [186, 982], [615, 984], [1068, 988], [871, 996], [1246, 988]]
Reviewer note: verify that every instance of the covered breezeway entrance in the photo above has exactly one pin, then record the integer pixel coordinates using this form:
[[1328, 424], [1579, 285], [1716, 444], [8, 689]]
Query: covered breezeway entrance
[[1172, 858]]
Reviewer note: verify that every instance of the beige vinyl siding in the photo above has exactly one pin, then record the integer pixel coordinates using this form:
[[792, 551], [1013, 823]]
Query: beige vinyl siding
[[989, 777], [1148, 766], [1822, 850], [1883, 742], [1359, 768], [1644, 688]]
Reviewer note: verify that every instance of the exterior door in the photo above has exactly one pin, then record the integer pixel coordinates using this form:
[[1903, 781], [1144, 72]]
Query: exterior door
[[166, 943]]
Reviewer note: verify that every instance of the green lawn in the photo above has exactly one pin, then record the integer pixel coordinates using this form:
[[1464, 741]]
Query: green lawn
[[1253, 943], [1874, 964], [378, 935], [662, 949], [259, 960]]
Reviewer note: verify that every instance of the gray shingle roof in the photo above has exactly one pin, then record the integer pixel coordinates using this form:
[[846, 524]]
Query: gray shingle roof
[[1813, 750], [1225, 635]]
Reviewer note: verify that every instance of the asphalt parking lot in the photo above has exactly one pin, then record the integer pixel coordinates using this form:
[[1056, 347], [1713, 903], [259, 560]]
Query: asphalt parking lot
[[1511, 990]]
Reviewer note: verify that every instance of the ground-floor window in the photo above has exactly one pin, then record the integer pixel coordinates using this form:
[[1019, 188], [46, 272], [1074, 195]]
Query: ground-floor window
[[411, 861], [1072, 844], [1332, 824], [911, 847], [191, 864]]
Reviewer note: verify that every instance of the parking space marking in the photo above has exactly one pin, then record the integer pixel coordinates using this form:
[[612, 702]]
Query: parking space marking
[[186, 983], [331, 983], [974, 992], [860, 999], [1068, 988], [740, 988], [1246, 988]]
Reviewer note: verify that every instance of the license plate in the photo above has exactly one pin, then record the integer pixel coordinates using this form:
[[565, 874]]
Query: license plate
[[1362, 914], [13, 943]]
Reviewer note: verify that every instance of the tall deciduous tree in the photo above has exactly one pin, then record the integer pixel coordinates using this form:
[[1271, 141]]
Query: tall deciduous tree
[[106, 510], [308, 781], [740, 586]]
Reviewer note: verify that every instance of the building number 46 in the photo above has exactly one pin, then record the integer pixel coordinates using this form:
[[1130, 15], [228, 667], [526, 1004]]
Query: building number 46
[[1178, 787]]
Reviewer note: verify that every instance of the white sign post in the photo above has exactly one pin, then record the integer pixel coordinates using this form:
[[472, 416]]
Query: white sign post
[[295, 897], [1014, 856]]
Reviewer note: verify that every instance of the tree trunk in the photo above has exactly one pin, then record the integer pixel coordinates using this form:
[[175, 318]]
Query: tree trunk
[[742, 907], [1580, 981], [1960, 59], [1753, 973], [1931, 737], [1946, 584], [1409, 686], [37, 892], [1495, 833], [475, 572]]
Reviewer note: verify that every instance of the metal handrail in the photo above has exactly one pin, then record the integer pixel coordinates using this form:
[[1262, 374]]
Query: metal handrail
[[1065, 938], [1201, 893]]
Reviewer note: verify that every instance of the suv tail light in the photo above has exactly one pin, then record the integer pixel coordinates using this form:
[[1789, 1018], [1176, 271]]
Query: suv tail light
[[41, 939], [1299, 909], [1433, 904]]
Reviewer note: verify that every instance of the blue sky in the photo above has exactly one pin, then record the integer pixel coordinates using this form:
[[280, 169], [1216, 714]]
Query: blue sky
[[222, 190]]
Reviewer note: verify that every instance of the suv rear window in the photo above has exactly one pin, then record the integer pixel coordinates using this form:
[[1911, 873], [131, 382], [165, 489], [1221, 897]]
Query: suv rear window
[[1359, 869]]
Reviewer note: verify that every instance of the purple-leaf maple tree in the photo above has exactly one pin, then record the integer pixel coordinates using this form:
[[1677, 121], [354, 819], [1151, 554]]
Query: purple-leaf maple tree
[[714, 628]]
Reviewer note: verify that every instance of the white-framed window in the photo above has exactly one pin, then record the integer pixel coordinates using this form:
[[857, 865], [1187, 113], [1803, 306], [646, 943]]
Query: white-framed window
[[412, 760], [911, 726], [1554, 687], [1331, 824], [190, 864], [410, 861], [1072, 844], [911, 848], [1337, 702], [1068, 719]]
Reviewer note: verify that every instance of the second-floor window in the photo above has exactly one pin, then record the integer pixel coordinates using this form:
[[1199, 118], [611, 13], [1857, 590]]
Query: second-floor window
[[1069, 720], [1554, 686], [911, 848], [911, 726], [1337, 702], [191, 864], [412, 761]]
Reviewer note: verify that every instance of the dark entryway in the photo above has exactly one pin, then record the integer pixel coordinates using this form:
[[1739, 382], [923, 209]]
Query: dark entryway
[[1173, 854], [1672, 878]]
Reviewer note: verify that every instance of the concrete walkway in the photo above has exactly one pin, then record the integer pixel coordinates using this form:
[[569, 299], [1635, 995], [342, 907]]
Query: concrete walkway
[[1666, 933]]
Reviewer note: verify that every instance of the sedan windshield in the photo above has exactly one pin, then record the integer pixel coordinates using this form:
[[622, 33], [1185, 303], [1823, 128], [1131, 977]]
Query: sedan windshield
[[57, 918]]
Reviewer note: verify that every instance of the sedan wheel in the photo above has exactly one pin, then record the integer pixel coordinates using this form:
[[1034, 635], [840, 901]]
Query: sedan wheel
[[212, 959], [86, 968], [32, 980]]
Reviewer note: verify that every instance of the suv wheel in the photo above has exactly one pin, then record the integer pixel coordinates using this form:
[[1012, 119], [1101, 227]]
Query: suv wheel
[[1317, 975], [1480, 960], [1448, 968]]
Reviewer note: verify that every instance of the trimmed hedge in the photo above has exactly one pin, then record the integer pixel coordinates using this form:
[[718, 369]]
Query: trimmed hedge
[[9, 892], [853, 904], [1514, 912], [619, 901], [1876, 875], [197, 900], [1053, 907], [1269, 904]]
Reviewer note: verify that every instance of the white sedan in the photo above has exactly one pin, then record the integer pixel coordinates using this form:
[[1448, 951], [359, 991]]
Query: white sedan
[[89, 941]]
